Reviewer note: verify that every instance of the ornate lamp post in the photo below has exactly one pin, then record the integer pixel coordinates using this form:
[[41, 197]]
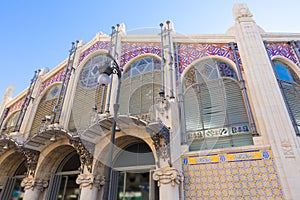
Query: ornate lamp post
[[104, 79]]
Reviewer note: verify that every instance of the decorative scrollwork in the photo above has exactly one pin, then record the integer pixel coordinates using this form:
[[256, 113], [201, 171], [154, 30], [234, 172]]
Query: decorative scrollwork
[[29, 183], [85, 153], [160, 134], [90, 180], [31, 161], [167, 175]]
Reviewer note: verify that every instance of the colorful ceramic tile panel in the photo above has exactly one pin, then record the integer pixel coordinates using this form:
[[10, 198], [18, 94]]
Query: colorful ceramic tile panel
[[131, 50], [97, 46], [16, 106], [282, 49], [188, 53], [238, 175], [58, 77]]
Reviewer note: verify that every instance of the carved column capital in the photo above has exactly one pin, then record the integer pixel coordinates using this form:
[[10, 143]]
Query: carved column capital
[[168, 175], [99, 181], [90, 180], [29, 183]]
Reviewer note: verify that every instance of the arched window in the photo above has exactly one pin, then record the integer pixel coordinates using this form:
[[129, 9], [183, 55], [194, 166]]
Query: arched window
[[215, 113], [140, 86], [290, 85], [89, 94], [46, 107], [11, 122], [62, 184]]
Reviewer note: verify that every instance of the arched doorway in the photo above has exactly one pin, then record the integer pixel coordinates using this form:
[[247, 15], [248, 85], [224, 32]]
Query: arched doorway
[[15, 174], [62, 184], [132, 172]]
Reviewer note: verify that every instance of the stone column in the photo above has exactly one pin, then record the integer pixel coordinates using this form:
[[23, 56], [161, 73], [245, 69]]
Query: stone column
[[272, 117], [90, 185], [169, 180], [33, 188]]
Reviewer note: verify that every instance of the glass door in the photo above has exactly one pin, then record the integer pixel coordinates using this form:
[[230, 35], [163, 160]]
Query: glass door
[[68, 189], [133, 186]]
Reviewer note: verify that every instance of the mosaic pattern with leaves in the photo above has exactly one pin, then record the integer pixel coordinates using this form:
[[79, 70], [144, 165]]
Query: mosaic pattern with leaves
[[188, 53], [131, 50], [282, 49], [97, 46], [58, 77]]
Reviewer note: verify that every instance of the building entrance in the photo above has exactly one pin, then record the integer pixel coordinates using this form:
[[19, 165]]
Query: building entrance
[[132, 174]]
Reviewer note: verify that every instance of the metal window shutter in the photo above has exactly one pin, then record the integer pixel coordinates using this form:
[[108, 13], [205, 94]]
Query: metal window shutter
[[84, 101], [8, 188], [292, 95], [53, 188]]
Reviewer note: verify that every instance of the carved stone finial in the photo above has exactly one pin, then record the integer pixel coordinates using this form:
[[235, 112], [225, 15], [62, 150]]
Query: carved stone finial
[[8, 94], [240, 10], [29, 183], [168, 175]]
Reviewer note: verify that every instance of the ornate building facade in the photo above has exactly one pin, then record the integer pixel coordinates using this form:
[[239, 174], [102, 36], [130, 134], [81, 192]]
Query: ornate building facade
[[182, 117]]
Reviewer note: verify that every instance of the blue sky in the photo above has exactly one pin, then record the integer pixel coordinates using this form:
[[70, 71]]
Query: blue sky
[[36, 33]]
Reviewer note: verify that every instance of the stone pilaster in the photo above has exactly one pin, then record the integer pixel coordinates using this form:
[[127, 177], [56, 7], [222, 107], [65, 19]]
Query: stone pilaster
[[267, 101], [33, 187], [90, 186], [168, 180]]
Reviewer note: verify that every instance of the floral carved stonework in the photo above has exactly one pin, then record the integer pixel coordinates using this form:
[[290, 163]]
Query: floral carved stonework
[[90, 180], [167, 175], [29, 183]]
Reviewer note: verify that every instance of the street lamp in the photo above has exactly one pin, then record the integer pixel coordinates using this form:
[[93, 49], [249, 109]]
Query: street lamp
[[104, 79]]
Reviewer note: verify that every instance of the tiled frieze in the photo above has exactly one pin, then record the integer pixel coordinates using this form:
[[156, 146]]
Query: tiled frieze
[[97, 46], [133, 49], [188, 53], [58, 77], [237, 175], [282, 49], [16, 106]]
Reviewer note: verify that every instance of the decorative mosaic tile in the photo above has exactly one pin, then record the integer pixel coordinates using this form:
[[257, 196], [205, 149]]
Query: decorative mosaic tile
[[188, 53], [15, 106], [282, 49], [58, 77], [131, 50], [97, 46], [244, 175]]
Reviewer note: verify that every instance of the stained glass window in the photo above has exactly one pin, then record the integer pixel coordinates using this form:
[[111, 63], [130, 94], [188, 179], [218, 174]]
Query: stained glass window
[[90, 72], [53, 92], [140, 86], [141, 66]]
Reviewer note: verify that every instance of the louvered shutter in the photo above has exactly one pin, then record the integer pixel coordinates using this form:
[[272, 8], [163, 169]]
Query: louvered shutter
[[292, 96], [8, 188], [53, 188]]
